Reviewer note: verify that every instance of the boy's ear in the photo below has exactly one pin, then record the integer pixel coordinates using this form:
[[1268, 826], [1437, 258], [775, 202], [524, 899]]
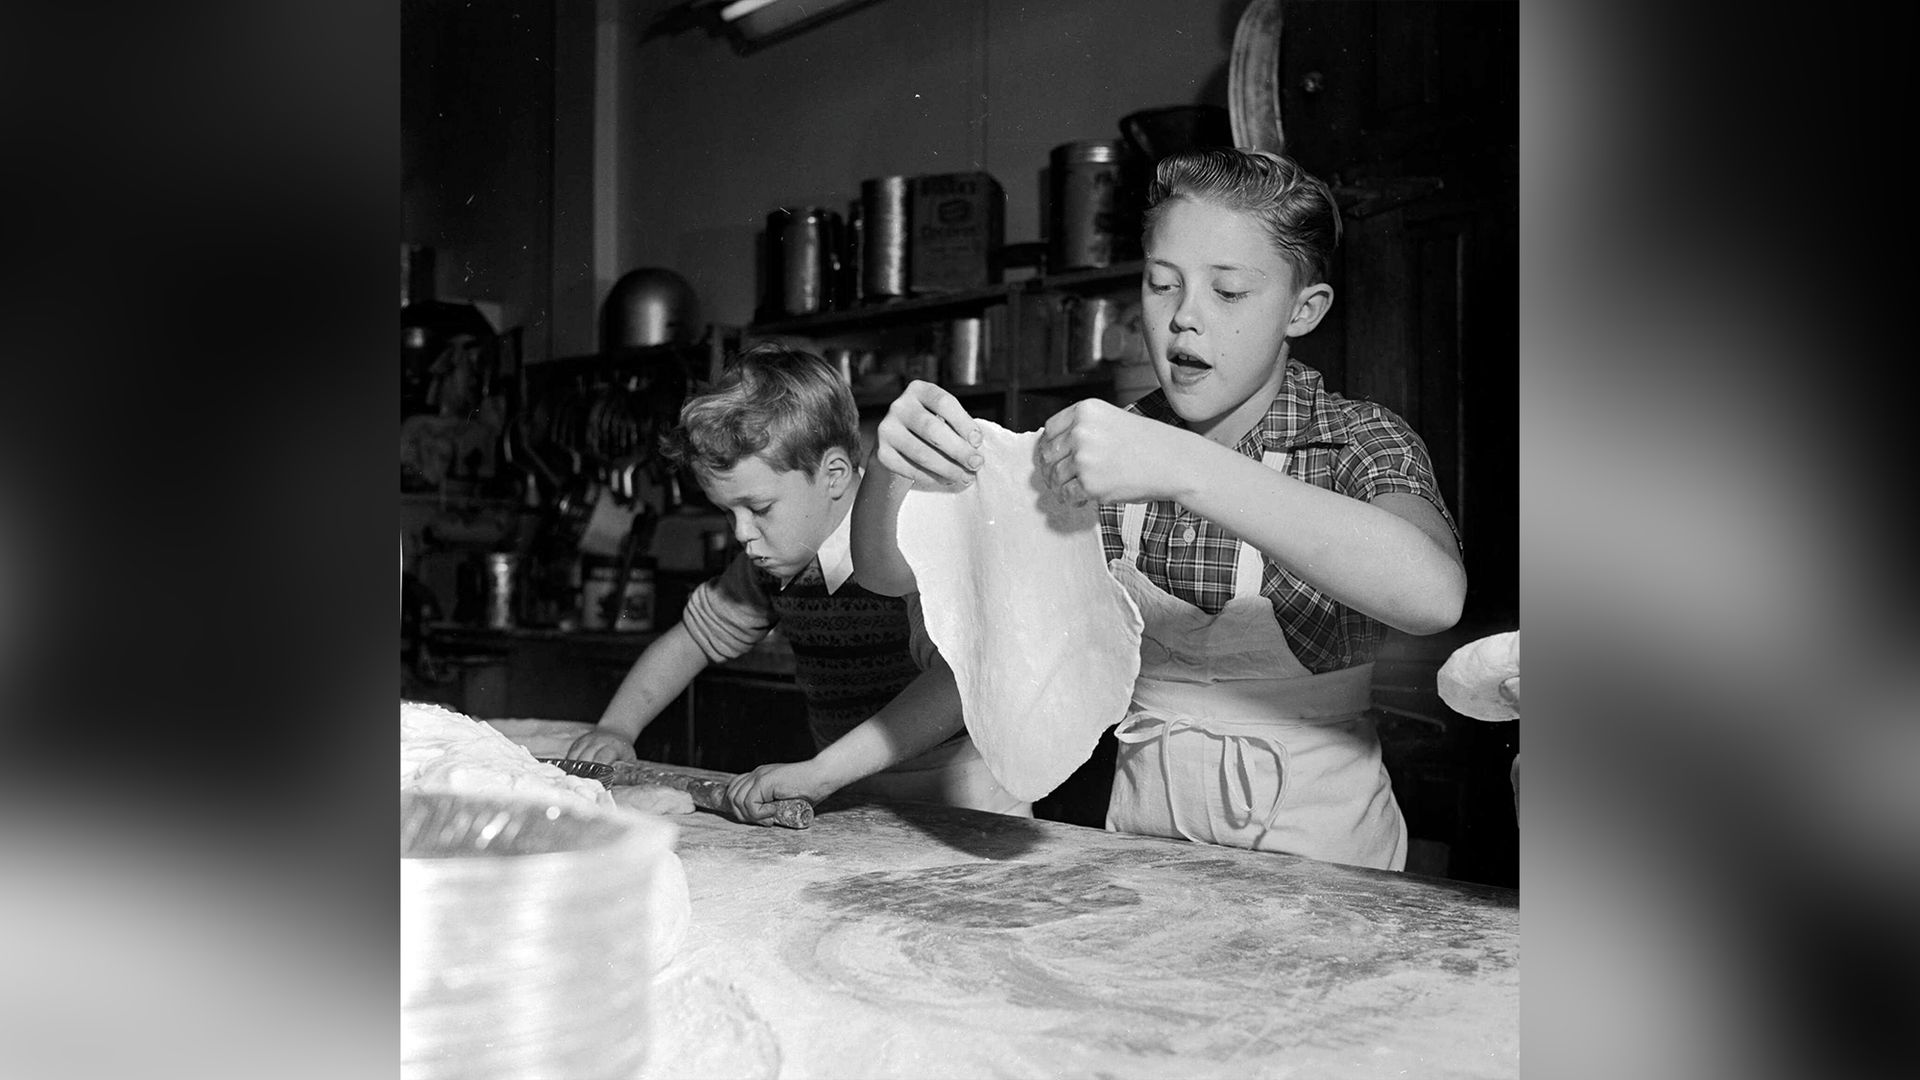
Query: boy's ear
[[1309, 308], [836, 471]]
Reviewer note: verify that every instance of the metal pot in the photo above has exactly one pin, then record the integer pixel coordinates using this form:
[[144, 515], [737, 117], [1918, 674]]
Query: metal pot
[[646, 307]]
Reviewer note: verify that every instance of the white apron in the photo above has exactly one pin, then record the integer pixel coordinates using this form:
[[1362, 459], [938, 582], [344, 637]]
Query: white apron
[[952, 774], [1231, 740]]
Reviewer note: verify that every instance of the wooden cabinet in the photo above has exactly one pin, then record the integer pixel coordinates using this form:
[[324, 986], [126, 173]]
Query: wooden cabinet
[[1410, 111]]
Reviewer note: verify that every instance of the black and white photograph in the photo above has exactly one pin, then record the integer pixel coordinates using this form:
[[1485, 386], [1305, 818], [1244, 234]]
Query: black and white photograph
[[969, 539]]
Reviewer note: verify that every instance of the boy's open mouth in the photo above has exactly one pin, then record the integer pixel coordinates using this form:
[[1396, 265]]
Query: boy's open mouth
[[1185, 359]]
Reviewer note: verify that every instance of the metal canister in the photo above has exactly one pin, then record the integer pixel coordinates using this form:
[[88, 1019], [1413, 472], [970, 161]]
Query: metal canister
[[503, 572], [1089, 318], [807, 260], [963, 352], [1088, 216], [853, 256], [608, 603], [773, 303], [884, 205], [844, 361]]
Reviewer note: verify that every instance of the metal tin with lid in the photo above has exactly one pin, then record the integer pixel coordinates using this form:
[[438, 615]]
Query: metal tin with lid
[[963, 352], [1088, 221], [503, 571], [608, 604], [809, 259], [885, 203]]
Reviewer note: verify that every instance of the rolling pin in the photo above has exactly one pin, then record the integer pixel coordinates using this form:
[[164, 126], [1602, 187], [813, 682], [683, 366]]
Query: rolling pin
[[708, 794]]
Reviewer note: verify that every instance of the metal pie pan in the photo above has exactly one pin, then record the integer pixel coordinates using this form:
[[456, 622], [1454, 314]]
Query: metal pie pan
[[592, 770]]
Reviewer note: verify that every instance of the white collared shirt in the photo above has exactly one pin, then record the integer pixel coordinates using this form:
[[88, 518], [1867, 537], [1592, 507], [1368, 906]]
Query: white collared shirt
[[836, 554]]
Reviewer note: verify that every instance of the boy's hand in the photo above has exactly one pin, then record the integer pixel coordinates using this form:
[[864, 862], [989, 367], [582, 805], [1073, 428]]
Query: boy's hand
[[929, 438], [602, 745], [1095, 450], [751, 795]]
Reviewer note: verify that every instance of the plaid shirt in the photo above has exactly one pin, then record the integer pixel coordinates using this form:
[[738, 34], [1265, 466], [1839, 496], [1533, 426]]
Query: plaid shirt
[[1356, 448]]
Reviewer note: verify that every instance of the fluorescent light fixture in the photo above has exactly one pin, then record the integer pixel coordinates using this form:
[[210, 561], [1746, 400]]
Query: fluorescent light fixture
[[741, 7], [756, 23]]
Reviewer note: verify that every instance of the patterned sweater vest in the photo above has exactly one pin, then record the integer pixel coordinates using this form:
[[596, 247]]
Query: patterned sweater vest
[[852, 650]]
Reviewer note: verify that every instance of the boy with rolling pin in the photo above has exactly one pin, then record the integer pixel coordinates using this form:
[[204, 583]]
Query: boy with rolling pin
[[774, 445]]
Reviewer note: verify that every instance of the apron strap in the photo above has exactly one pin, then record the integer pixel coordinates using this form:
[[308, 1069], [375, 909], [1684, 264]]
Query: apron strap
[[1139, 729], [1133, 521], [1250, 567], [1233, 767], [1236, 750]]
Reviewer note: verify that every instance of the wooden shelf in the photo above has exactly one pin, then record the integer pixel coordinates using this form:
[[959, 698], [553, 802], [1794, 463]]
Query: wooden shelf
[[1027, 306], [1091, 280], [918, 309], [1092, 380], [924, 308]]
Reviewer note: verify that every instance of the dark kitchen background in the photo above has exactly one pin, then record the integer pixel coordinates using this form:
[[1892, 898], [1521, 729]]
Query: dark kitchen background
[[551, 149]]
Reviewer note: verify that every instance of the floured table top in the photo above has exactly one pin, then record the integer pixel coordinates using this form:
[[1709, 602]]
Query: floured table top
[[900, 940]]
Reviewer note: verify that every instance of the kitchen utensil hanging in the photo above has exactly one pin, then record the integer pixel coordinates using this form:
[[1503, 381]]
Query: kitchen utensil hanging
[[1253, 79]]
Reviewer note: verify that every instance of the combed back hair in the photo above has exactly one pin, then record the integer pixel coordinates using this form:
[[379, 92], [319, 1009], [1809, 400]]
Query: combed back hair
[[1294, 206], [789, 405]]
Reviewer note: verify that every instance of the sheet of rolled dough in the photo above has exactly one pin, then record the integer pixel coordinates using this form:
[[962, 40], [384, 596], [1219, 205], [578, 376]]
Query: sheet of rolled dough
[[1044, 643]]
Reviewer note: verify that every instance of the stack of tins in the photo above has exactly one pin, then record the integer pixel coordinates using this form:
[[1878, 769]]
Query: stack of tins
[[523, 949]]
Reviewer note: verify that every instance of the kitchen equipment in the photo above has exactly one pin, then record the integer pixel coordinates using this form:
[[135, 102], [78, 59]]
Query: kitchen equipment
[[1089, 226], [772, 267], [851, 286], [1253, 79], [592, 770], [707, 794], [885, 202], [808, 261], [958, 228], [518, 950], [432, 333], [1088, 320], [647, 307], [1155, 133], [609, 603], [843, 361], [503, 589], [963, 352]]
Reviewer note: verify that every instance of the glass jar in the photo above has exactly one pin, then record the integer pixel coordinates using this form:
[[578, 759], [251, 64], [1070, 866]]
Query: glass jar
[[605, 604]]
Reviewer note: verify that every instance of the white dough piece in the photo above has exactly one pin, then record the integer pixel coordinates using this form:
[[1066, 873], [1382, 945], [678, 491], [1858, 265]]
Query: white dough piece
[[653, 798], [669, 910], [441, 748], [1482, 678], [1044, 643]]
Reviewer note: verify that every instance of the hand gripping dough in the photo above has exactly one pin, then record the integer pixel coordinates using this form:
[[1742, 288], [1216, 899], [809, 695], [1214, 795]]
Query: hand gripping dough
[[1043, 642], [1482, 678]]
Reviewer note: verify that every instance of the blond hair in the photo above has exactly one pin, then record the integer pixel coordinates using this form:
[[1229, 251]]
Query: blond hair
[[786, 405], [1296, 208]]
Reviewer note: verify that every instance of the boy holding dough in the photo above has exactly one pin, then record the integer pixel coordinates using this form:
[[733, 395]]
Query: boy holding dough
[[1269, 530], [774, 446]]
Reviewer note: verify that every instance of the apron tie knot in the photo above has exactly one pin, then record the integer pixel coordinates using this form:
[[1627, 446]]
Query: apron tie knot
[[1236, 775]]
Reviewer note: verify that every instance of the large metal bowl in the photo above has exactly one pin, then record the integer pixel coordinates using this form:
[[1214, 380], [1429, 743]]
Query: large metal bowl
[[647, 307]]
